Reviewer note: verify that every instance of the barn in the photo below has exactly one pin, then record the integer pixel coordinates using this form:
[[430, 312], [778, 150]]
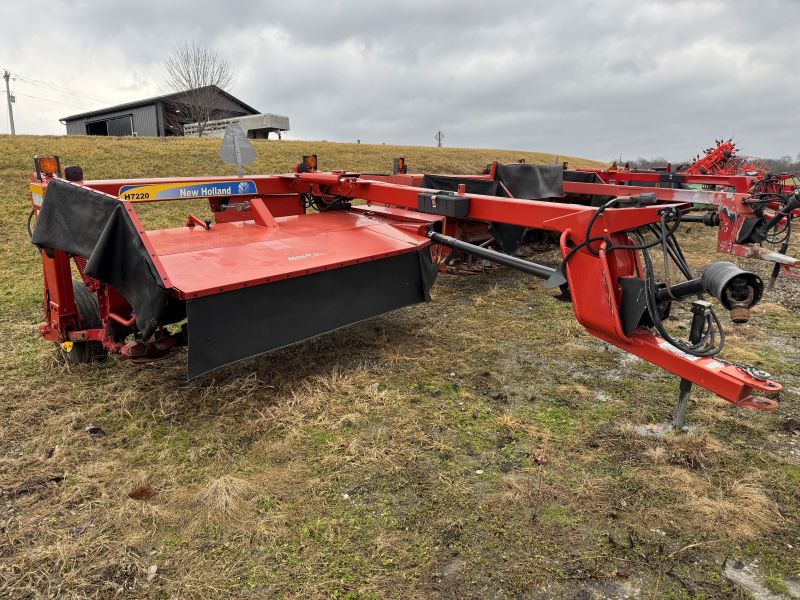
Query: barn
[[156, 117]]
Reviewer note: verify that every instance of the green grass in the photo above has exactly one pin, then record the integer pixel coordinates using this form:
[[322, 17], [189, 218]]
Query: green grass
[[478, 446]]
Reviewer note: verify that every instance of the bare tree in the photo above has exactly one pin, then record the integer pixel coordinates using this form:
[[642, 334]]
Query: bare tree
[[193, 70]]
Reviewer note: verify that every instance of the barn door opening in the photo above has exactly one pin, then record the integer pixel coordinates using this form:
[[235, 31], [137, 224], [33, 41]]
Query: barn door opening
[[97, 128], [117, 126]]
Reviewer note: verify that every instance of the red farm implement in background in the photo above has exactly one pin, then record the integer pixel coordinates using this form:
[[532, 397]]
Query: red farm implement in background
[[289, 256], [723, 159], [753, 211]]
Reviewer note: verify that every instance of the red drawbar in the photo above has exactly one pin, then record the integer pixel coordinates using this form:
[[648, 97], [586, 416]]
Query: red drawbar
[[239, 254]]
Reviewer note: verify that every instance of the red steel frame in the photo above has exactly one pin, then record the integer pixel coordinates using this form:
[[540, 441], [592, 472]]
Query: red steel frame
[[733, 205], [741, 184], [594, 280], [738, 184]]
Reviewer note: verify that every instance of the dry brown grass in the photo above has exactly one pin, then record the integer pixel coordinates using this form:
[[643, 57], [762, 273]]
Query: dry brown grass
[[734, 509], [221, 500], [479, 446]]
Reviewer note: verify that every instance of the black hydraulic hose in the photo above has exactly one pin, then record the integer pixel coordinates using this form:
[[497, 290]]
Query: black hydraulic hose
[[28, 225], [708, 345], [675, 252], [525, 266], [784, 248], [784, 212]]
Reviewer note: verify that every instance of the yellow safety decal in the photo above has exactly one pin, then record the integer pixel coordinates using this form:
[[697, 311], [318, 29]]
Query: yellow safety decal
[[36, 193]]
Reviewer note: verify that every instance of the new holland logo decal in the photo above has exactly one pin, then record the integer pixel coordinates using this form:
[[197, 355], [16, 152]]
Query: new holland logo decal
[[175, 191]]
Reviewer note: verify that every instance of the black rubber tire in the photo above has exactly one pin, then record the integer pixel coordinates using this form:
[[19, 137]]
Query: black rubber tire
[[89, 317]]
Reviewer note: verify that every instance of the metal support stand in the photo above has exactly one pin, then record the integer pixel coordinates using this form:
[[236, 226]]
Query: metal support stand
[[679, 416], [700, 312]]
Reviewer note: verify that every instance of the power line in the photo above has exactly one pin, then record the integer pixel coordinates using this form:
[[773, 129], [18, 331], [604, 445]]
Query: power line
[[49, 100], [65, 91], [55, 87]]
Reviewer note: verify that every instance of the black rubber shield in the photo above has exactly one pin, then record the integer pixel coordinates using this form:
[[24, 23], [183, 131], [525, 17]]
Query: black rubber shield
[[229, 327], [86, 223], [532, 182], [582, 177], [528, 182]]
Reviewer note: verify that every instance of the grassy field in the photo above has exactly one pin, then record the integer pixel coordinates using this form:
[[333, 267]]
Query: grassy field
[[480, 446]]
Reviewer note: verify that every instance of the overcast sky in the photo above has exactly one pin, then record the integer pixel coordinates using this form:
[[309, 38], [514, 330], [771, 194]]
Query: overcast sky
[[595, 79]]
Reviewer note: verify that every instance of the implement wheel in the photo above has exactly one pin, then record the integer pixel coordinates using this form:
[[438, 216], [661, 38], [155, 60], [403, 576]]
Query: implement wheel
[[76, 353]]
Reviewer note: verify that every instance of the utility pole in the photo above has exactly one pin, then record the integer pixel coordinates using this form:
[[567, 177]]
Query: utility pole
[[439, 137], [10, 100]]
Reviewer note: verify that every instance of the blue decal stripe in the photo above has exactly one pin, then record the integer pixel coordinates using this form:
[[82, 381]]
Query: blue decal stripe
[[195, 190]]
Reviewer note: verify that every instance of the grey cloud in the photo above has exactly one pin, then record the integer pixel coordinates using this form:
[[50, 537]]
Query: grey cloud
[[588, 78]]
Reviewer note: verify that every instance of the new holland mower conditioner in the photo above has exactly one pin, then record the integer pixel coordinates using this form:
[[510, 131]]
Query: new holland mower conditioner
[[290, 256]]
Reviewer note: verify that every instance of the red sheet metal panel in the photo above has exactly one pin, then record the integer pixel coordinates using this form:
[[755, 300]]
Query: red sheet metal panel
[[239, 254]]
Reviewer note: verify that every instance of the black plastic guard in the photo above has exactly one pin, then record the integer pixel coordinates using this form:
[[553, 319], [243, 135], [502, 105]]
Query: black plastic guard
[[86, 223], [232, 326]]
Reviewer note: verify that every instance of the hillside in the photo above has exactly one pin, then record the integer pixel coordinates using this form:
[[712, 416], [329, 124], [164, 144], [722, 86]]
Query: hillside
[[103, 157], [478, 446]]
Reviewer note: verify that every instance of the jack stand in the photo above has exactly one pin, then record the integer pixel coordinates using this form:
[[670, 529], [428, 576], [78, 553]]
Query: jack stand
[[700, 311], [679, 416]]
